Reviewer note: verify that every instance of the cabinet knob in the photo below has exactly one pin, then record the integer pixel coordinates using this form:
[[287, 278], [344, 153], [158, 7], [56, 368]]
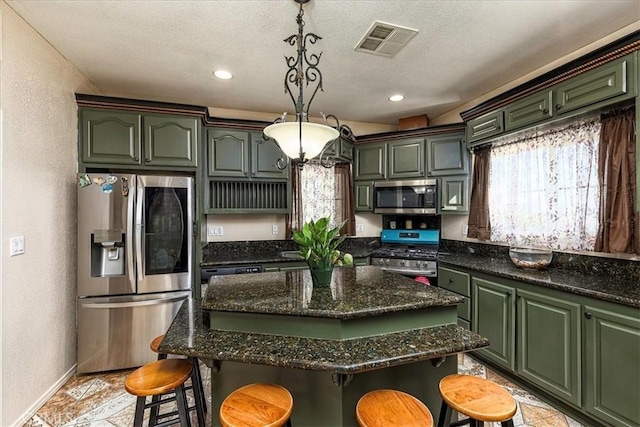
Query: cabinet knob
[[558, 106], [545, 111], [509, 293], [148, 159], [450, 280], [587, 315], [136, 158]]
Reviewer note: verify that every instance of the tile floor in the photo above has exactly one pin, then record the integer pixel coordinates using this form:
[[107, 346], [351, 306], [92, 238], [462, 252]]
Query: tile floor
[[100, 401]]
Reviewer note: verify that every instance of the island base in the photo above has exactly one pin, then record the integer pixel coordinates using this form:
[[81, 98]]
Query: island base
[[329, 400]]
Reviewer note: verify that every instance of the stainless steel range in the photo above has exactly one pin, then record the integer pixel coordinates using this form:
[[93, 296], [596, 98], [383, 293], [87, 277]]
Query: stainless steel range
[[409, 252]]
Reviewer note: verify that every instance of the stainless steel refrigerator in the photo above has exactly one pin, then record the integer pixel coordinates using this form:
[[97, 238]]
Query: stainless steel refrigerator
[[135, 245]]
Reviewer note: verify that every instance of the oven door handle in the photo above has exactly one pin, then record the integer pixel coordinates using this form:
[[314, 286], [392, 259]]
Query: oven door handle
[[427, 273]]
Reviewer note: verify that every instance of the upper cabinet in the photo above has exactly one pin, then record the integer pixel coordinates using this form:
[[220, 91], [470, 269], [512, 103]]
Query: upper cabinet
[[112, 138], [406, 158], [242, 154], [339, 149], [447, 155], [532, 109], [614, 80], [370, 162], [601, 86]]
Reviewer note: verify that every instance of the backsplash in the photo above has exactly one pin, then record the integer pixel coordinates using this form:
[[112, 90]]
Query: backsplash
[[619, 269]]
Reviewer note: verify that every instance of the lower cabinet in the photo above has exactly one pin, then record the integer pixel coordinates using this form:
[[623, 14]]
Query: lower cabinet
[[612, 364], [458, 282], [580, 350]]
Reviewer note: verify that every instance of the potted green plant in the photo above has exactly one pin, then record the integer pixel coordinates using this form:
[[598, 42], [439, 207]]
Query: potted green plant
[[318, 246]]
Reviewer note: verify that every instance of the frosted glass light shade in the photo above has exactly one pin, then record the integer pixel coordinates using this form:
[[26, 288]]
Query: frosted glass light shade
[[314, 137]]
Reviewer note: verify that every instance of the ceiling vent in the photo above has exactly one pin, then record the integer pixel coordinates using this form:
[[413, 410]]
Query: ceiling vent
[[385, 39]]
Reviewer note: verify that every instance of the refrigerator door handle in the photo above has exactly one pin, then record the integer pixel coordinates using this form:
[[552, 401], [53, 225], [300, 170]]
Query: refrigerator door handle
[[155, 301], [130, 238], [139, 225]]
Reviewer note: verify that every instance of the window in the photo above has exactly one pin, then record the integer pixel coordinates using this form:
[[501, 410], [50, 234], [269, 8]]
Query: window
[[543, 189]]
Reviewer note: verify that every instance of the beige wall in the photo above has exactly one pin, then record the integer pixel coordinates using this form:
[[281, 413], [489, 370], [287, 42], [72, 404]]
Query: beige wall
[[38, 166]]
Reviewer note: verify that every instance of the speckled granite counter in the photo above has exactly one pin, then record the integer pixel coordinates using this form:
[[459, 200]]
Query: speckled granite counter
[[370, 329], [623, 290], [260, 252]]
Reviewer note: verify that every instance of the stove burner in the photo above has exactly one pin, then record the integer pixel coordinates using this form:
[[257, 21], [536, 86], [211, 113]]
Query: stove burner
[[407, 252]]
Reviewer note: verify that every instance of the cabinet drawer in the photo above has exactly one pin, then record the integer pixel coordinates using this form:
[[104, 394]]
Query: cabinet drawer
[[491, 124], [454, 281], [529, 110], [464, 309]]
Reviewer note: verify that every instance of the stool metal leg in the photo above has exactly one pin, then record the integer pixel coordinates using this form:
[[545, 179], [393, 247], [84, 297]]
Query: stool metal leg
[[508, 423], [444, 420], [181, 400], [198, 391], [137, 420]]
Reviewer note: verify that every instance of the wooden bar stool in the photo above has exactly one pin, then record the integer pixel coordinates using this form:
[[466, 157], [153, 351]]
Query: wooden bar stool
[[257, 405], [196, 383], [383, 408], [479, 399], [158, 378]]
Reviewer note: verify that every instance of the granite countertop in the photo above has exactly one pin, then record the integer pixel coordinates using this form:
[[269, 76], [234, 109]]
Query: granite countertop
[[189, 336], [262, 252], [354, 292], [603, 287]]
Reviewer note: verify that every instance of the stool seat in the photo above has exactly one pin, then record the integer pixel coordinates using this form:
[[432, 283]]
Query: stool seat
[[158, 377], [257, 405], [155, 344], [382, 408], [477, 398]]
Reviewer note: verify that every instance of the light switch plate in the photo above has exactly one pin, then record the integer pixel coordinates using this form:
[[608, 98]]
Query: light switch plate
[[359, 228], [16, 245], [274, 229]]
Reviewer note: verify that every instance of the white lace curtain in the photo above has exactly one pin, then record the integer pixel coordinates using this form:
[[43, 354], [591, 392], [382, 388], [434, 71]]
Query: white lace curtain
[[318, 191], [544, 189]]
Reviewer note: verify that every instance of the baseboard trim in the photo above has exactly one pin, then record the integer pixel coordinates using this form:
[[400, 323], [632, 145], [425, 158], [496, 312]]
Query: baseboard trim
[[33, 409]]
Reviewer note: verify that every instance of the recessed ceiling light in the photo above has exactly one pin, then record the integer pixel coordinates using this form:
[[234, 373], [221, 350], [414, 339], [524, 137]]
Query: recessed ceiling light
[[396, 98], [223, 74]]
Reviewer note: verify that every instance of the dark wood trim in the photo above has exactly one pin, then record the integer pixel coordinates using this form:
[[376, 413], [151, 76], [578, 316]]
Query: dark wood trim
[[608, 53], [404, 134], [106, 102]]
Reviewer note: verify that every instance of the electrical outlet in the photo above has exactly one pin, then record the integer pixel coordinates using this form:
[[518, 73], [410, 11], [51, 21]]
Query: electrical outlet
[[359, 228], [465, 229], [16, 246], [215, 231], [274, 229]]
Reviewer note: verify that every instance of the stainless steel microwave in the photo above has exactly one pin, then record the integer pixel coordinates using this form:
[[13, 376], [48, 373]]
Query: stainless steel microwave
[[405, 197]]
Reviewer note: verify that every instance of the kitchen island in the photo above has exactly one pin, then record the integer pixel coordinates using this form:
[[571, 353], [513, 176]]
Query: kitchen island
[[370, 329]]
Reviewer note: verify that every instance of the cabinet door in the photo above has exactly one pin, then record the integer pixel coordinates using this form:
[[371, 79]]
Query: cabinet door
[[346, 150], [454, 194], [370, 162], [529, 110], [447, 155], [612, 362], [612, 80], [171, 141], [406, 159], [364, 196], [110, 137], [485, 126], [264, 157], [228, 153], [549, 344], [494, 318]]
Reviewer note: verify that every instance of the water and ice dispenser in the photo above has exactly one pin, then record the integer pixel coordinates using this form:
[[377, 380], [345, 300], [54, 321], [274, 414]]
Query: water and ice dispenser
[[108, 254]]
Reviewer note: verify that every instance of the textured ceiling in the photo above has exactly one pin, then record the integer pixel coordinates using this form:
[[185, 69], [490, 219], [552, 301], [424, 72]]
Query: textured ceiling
[[166, 50]]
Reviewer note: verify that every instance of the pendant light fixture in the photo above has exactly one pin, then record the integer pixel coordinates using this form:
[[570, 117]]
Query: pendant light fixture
[[302, 140]]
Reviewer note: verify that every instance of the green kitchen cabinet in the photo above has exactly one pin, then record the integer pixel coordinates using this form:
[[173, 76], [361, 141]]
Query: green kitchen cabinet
[[242, 154], [265, 154], [228, 153], [370, 162], [454, 194], [363, 196], [488, 125], [406, 159], [447, 155], [460, 283], [529, 110], [612, 363], [340, 149], [130, 139], [493, 312], [613, 82], [549, 343]]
